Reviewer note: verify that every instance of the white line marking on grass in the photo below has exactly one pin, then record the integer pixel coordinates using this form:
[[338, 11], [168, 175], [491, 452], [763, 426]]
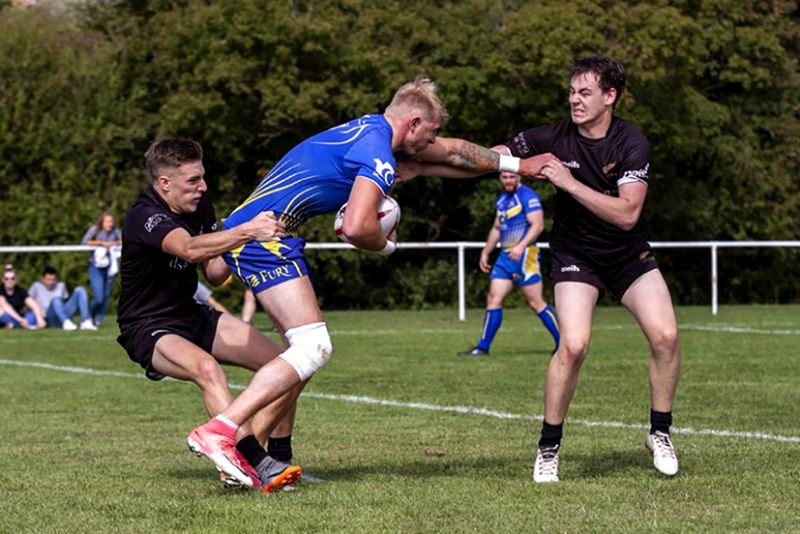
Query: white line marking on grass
[[464, 410], [738, 330], [721, 328]]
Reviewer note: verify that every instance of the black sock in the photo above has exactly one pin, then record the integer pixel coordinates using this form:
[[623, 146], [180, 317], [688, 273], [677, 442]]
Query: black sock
[[551, 434], [660, 421], [280, 448], [251, 449]]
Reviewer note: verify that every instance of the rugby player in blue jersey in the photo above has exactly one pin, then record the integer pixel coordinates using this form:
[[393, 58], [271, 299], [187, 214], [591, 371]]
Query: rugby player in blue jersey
[[518, 223], [354, 163]]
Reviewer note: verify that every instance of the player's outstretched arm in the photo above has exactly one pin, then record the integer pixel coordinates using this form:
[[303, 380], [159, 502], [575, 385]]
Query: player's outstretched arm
[[460, 155], [457, 158], [197, 249]]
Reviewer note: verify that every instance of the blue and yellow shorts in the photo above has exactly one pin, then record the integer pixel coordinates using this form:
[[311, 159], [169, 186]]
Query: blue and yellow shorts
[[523, 272], [263, 265]]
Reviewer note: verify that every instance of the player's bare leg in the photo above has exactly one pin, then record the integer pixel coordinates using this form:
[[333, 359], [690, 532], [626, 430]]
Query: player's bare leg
[[291, 304], [649, 301], [240, 344], [179, 358], [576, 302], [293, 307], [533, 296]]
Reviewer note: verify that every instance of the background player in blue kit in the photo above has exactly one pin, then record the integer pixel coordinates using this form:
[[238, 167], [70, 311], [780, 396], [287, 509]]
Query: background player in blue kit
[[354, 163], [518, 223]]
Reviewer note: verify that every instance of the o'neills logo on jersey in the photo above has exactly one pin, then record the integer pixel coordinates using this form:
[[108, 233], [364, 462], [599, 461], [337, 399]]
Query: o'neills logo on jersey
[[571, 269], [571, 164], [153, 221], [639, 175]]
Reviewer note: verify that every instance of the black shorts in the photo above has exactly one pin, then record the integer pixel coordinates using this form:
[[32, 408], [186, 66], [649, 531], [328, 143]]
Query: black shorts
[[139, 339], [615, 272]]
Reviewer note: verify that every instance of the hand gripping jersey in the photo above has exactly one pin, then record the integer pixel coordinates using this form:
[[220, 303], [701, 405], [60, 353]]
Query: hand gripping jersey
[[313, 178], [622, 156], [513, 209]]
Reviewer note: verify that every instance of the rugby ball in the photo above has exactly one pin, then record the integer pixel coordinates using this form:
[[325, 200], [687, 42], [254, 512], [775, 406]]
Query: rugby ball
[[388, 217]]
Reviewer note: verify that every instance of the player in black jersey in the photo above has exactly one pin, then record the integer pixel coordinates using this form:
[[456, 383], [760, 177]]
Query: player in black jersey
[[168, 231], [599, 164], [601, 170]]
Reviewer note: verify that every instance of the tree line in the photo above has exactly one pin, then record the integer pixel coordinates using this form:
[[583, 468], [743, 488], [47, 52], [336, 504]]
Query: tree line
[[713, 84]]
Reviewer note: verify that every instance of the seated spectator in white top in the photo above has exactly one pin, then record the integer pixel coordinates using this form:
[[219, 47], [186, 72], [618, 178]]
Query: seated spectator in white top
[[58, 307]]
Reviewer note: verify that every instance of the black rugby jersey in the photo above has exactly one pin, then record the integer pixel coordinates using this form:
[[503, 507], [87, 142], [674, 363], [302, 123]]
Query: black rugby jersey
[[156, 284], [622, 156]]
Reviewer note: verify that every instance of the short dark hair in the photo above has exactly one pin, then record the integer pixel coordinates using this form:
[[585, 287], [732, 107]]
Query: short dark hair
[[610, 73], [171, 152], [49, 270]]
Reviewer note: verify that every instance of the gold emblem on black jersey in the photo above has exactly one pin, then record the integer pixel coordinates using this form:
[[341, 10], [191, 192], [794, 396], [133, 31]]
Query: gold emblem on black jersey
[[609, 171]]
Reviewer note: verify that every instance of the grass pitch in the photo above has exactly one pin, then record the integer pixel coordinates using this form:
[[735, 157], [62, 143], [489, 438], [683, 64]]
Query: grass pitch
[[393, 424]]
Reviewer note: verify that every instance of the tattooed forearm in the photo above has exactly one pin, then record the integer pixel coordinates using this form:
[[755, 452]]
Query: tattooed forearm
[[473, 157]]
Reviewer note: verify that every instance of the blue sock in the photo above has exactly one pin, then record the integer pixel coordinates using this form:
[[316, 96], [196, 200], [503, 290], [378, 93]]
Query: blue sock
[[492, 320], [548, 318]]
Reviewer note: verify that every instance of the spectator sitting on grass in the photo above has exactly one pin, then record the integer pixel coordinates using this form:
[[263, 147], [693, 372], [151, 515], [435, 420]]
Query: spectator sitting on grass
[[58, 307]]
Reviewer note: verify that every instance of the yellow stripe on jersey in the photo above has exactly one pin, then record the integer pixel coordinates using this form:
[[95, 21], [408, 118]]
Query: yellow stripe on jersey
[[268, 192], [513, 211], [275, 174], [531, 265], [235, 255], [275, 247], [291, 214]]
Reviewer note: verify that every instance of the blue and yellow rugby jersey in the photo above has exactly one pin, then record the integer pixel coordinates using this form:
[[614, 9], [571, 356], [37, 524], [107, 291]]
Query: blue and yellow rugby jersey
[[313, 178], [316, 176], [513, 209]]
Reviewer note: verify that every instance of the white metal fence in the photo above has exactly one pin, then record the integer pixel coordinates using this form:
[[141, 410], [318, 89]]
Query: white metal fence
[[461, 246]]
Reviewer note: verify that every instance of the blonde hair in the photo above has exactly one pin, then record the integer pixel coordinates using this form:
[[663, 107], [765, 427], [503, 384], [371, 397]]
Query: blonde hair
[[419, 96]]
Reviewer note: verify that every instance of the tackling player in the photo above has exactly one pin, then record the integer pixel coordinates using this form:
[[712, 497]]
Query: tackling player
[[354, 163], [168, 231], [518, 223]]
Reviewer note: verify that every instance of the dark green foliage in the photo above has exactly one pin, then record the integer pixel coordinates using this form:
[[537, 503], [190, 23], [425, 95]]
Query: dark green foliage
[[713, 84]]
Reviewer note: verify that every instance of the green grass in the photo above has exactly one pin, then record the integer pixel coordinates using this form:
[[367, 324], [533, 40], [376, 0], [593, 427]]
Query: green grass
[[97, 453]]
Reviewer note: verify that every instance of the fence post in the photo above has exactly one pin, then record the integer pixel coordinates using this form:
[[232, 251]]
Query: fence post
[[714, 295], [462, 298]]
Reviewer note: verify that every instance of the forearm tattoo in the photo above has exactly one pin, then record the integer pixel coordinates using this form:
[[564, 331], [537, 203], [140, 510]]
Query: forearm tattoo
[[473, 157]]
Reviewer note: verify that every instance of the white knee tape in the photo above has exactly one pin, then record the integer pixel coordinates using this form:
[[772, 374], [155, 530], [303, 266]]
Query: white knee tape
[[309, 348]]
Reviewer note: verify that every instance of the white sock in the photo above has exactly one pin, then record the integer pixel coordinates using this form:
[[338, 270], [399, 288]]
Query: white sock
[[227, 421]]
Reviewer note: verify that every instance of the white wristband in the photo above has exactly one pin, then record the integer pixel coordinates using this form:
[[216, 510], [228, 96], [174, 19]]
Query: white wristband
[[508, 164], [388, 248]]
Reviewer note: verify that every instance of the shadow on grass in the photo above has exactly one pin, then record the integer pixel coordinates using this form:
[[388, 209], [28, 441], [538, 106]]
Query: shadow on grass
[[609, 463]]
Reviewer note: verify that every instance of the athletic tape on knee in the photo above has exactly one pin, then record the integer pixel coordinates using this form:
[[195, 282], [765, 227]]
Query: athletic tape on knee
[[309, 348]]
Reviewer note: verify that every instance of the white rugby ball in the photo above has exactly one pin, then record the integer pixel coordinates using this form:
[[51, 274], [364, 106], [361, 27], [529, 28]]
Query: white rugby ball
[[388, 217]]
